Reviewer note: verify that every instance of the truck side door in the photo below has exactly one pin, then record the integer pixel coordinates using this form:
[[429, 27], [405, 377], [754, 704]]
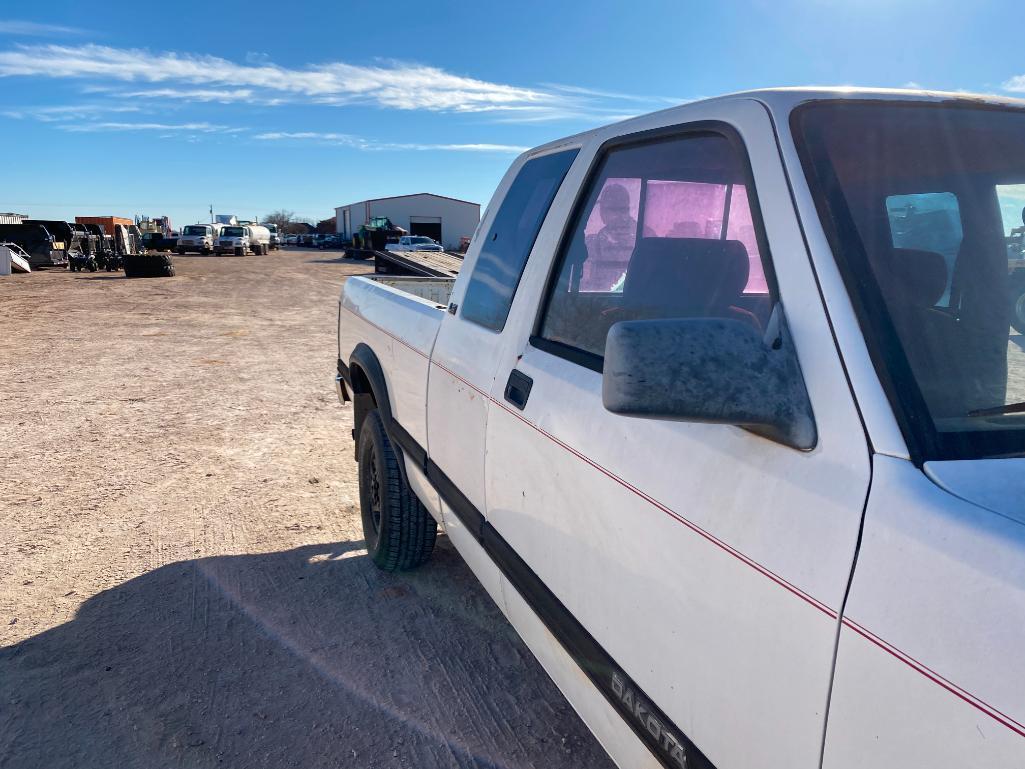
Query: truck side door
[[466, 350], [695, 571]]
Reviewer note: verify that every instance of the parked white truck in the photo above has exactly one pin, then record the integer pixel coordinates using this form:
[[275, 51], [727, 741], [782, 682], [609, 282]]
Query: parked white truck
[[198, 238], [739, 454], [243, 239], [414, 243]]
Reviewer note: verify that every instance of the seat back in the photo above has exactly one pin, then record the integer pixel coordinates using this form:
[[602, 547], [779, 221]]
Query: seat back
[[685, 278]]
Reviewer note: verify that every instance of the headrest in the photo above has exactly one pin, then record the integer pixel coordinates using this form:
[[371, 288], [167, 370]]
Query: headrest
[[911, 276], [685, 277]]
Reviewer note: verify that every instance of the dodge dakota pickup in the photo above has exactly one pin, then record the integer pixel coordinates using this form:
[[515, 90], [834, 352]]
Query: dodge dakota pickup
[[725, 411]]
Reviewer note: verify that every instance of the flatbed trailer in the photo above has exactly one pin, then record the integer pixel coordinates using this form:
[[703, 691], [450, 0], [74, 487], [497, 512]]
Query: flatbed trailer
[[426, 264]]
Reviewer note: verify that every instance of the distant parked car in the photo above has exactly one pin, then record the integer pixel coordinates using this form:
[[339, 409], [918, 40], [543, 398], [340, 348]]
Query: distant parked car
[[332, 241], [414, 243]]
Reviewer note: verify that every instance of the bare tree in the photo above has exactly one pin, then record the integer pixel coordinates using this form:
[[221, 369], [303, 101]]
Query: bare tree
[[281, 217]]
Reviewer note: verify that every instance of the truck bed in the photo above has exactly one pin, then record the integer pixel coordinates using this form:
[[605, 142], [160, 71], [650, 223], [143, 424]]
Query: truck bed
[[398, 317], [426, 263]]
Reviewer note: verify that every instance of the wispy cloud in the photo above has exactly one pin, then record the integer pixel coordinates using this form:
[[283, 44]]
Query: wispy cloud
[[184, 127], [372, 145], [391, 84], [34, 29], [222, 95], [64, 112]]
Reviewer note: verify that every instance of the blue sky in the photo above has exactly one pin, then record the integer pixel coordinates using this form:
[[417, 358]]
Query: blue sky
[[121, 108]]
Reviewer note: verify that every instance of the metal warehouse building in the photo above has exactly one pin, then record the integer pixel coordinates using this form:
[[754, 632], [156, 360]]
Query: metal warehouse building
[[12, 218], [436, 216]]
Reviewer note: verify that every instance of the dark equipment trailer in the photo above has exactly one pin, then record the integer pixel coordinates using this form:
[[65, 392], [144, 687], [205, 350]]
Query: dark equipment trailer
[[37, 242], [63, 234]]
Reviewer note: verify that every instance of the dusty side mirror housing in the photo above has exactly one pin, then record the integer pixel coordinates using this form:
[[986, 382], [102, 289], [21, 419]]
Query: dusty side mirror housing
[[713, 370]]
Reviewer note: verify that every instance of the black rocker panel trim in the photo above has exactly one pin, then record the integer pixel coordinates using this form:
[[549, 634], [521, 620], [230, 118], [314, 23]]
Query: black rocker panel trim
[[648, 722], [464, 509], [407, 443]]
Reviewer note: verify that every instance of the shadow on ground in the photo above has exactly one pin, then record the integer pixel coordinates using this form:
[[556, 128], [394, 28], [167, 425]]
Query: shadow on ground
[[304, 658]]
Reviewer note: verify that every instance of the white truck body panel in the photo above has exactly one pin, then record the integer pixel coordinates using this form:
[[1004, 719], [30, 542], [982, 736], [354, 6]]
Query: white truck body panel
[[712, 565], [904, 697]]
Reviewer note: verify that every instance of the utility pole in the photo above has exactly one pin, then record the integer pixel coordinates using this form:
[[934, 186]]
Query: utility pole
[[211, 213]]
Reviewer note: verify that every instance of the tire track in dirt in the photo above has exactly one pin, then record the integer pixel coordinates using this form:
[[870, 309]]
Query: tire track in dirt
[[182, 579]]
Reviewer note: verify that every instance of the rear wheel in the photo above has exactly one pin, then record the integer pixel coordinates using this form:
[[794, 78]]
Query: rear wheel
[[398, 530]]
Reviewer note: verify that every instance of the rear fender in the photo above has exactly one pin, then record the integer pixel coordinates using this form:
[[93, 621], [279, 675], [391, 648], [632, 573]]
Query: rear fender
[[369, 391]]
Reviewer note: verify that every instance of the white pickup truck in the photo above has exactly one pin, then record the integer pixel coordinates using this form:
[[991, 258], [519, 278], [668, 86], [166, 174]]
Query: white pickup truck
[[728, 421], [414, 243]]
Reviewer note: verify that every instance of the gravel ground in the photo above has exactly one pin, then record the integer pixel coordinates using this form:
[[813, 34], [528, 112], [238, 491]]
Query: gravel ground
[[182, 579]]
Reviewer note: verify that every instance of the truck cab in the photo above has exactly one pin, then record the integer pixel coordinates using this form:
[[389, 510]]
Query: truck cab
[[198, 238], [243, 239], [725, 411]]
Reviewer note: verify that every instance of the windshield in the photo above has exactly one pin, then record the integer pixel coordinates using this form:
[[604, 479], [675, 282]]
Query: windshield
[[273, 228], [233, 232], [420, 240], [196, 230], [923, 205]]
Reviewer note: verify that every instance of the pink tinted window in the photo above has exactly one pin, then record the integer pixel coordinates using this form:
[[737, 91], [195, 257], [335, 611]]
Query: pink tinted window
[[741, 227], [671, 210], [684, 209], [658, 214]]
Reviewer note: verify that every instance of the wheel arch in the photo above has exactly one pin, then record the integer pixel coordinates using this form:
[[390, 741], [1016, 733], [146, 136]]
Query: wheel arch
[[369, 392]]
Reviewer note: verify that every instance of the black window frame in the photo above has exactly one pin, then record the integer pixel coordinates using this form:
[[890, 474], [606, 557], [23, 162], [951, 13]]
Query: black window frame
[[924, 442], [575, 151], [696, 129]]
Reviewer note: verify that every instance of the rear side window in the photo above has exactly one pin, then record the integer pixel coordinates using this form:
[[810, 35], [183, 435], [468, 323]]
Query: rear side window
[[667, 231], [507, 245]]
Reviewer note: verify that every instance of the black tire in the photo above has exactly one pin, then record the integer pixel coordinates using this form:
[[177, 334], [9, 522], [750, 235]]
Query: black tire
[[1018, 306], [149, 266], [398, 530]]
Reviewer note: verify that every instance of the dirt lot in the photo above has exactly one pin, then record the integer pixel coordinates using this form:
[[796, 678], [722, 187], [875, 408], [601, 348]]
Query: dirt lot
[[182, 580]]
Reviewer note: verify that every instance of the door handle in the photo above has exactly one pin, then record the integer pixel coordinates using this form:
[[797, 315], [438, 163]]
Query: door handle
[[517, 389]]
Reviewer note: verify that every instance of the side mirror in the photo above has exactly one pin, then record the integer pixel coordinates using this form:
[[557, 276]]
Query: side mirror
[[713, 370]]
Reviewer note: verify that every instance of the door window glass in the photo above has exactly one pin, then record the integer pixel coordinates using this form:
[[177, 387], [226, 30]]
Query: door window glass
[[508, 243], [927, 221], [666, 231]]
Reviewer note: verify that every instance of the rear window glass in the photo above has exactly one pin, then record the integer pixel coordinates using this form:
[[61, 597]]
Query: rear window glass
[[508, 243]]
